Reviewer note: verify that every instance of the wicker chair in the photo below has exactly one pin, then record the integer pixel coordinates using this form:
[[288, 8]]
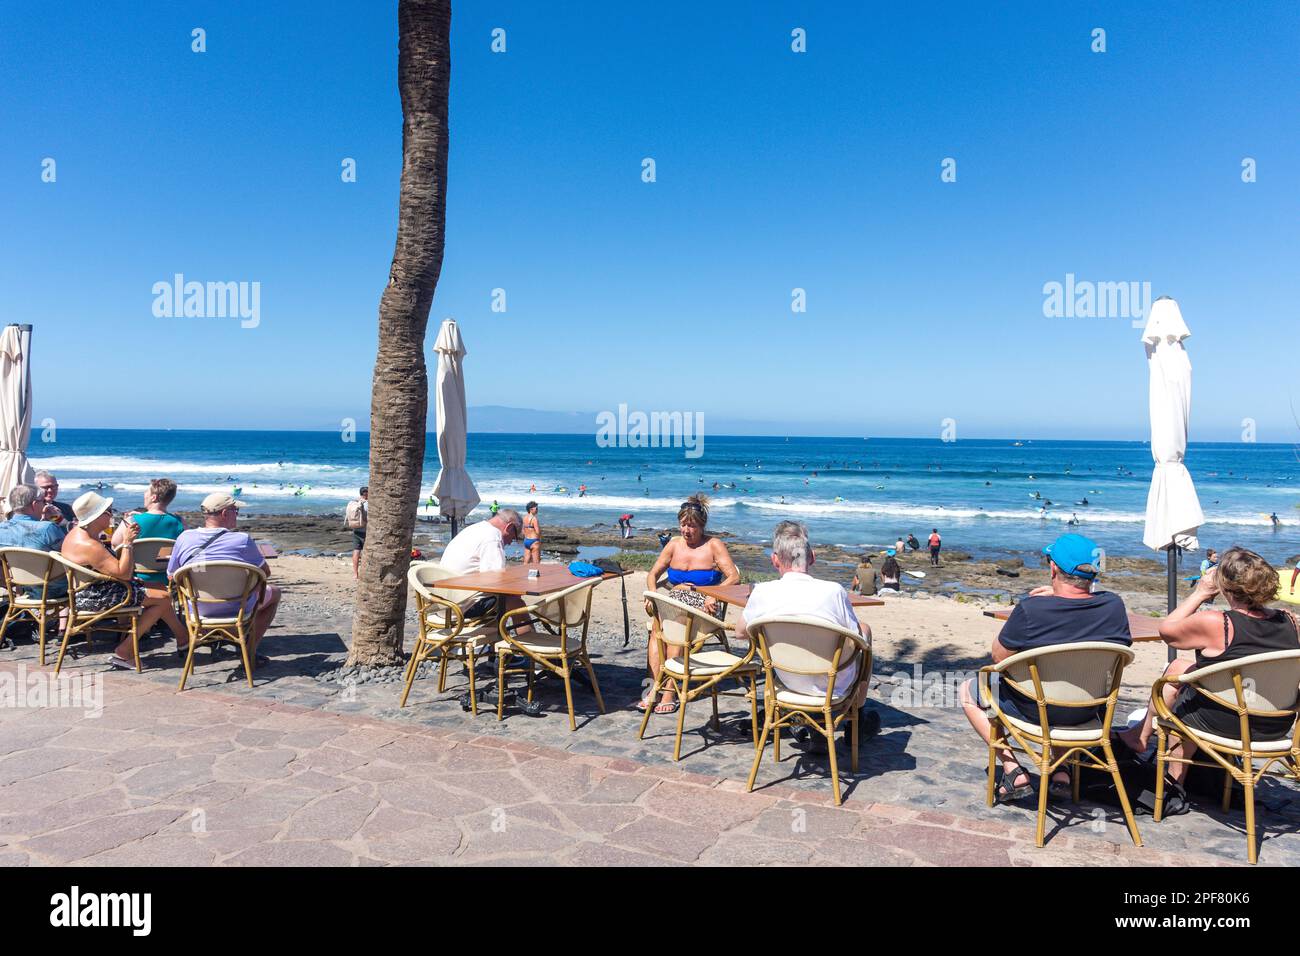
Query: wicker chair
[[210, 582], [444, 631], [1262, 685], [810, 647], [1083, 674], [122, 618], [554, 649], [24, 569], [695, 672]]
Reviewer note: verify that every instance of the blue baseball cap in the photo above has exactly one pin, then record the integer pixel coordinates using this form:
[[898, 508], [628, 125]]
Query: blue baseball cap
[[1069, 551]]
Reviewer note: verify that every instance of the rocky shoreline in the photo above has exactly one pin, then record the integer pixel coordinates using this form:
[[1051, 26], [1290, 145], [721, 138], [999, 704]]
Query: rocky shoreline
[[992, 577]]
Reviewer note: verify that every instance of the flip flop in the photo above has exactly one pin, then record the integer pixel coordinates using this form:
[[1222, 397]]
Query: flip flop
[[671, 706], [116, 663], [644, 702]]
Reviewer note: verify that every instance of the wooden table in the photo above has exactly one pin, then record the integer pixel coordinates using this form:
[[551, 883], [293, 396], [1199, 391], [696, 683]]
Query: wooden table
[[267, 549], [1143, 628], [514, 580], [738, 594]]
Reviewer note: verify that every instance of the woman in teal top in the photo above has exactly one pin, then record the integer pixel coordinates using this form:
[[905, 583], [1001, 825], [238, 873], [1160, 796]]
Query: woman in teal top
[[155, 522]]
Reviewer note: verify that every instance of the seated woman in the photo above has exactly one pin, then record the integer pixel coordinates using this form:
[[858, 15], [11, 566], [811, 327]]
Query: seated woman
[[890, 574], [1248, 582], [695, 559], [154, 522], [82, 546]]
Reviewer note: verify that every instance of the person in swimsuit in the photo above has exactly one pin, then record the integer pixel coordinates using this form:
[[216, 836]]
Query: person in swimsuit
[[82, 546], [695, 559], [532, 535], [1249, 626]]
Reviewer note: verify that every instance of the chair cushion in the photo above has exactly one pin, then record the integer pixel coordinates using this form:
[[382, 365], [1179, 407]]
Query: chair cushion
[[478, 636], [541, 644], [1074, 733], [1256, 746], [791, 698], [708, 663]]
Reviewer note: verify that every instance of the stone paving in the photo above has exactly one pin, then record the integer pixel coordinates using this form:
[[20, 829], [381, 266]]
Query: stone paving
[[296, 771]]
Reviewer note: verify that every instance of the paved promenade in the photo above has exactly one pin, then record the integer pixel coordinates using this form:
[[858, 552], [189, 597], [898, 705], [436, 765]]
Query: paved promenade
[[209, 777], [297, 770]]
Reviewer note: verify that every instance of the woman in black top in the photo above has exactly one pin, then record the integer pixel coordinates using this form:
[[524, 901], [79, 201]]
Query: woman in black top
[[1249, 626]]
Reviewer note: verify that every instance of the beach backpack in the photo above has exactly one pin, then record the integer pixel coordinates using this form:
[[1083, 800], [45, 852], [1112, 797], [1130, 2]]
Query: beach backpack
[[355, 516]]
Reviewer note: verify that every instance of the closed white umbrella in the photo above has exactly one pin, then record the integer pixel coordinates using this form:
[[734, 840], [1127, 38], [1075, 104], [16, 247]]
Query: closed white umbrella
[[15, 407], [1173, 512], [454, 489]]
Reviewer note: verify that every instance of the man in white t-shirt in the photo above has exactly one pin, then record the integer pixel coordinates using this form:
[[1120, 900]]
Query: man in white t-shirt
[[482, 547], [798, 593]]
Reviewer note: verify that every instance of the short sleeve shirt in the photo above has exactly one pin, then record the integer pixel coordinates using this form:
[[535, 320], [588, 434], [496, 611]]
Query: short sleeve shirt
[[802, 594], [24, 531], [477, 548], [231, 546], [1048, 619]]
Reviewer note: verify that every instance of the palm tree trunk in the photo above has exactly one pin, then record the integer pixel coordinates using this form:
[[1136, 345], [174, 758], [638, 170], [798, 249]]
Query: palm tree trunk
[[399, 402]]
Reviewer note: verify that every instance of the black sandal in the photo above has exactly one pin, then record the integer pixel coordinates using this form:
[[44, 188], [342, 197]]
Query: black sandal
[[1005, 792]]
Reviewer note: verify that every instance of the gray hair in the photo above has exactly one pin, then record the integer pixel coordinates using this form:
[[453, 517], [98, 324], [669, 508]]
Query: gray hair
[[511, 517], [45, 474], [790, 545], [21, 497]]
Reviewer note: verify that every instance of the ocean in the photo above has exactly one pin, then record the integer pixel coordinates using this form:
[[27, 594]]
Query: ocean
[[851, 492]]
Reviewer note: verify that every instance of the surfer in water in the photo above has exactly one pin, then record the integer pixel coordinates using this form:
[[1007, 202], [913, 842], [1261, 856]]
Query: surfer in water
[[1275, 519]]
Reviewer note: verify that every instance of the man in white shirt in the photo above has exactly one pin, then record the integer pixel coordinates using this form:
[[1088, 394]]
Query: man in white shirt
[[798, 593], [482, 547]]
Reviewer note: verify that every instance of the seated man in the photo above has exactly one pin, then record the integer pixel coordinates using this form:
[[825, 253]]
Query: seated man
[[482, 547], [798, 593], [1066, 611], [218, 540], [60, 512], [27, 529]]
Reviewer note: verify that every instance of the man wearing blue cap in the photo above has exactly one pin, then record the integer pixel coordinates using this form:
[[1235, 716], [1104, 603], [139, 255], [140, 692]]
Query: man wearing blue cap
[[1066, 611]]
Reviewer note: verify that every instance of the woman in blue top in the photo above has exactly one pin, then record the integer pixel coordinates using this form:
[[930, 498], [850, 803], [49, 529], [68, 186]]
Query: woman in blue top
[[695, 559], [154, 522]]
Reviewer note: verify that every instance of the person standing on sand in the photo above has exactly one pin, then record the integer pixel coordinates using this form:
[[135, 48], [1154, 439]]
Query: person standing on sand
[[357, 517], [935, 543], [532, 535]]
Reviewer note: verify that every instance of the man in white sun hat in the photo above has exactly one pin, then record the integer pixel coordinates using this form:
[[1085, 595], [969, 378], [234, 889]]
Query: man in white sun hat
[[218, 540], [120, 587]]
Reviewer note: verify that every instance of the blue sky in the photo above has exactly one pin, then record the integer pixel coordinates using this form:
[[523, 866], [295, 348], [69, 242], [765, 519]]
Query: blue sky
[[775, 170]]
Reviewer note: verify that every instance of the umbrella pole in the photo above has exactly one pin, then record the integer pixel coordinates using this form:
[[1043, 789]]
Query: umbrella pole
[[1171, 551], [453, 526]]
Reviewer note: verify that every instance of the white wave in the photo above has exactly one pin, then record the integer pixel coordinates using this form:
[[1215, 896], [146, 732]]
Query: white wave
[[247, 492], [97, 466]]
